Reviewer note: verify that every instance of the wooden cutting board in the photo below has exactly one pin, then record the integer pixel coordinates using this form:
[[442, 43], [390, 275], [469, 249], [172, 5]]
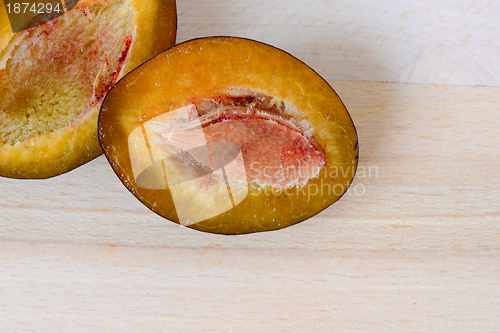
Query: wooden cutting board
[[414, 244], [413, 247]]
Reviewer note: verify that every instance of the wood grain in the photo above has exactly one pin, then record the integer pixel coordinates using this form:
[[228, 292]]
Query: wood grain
[[413, 246], [430, 42]]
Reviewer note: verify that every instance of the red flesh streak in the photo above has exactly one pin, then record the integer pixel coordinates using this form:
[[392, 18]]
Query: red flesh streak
[[2, 72], [100, 95]]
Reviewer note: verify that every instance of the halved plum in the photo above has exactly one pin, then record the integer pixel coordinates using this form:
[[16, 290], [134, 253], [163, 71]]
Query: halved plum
[[54, 76], [228, 135]]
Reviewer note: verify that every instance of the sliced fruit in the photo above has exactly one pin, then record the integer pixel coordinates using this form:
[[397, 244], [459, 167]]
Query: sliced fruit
[[229, 135], [53, 78]]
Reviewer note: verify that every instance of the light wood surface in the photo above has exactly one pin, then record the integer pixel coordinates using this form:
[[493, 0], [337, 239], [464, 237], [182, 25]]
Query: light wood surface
[[413, 248], [407, 41]]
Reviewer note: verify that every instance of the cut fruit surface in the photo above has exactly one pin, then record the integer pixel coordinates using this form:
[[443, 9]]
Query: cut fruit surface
[[229, 135], [54, 77], [275, 151]]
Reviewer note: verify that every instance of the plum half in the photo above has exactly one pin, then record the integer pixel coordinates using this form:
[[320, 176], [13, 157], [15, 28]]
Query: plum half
[[229, 135], [54, 76]]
